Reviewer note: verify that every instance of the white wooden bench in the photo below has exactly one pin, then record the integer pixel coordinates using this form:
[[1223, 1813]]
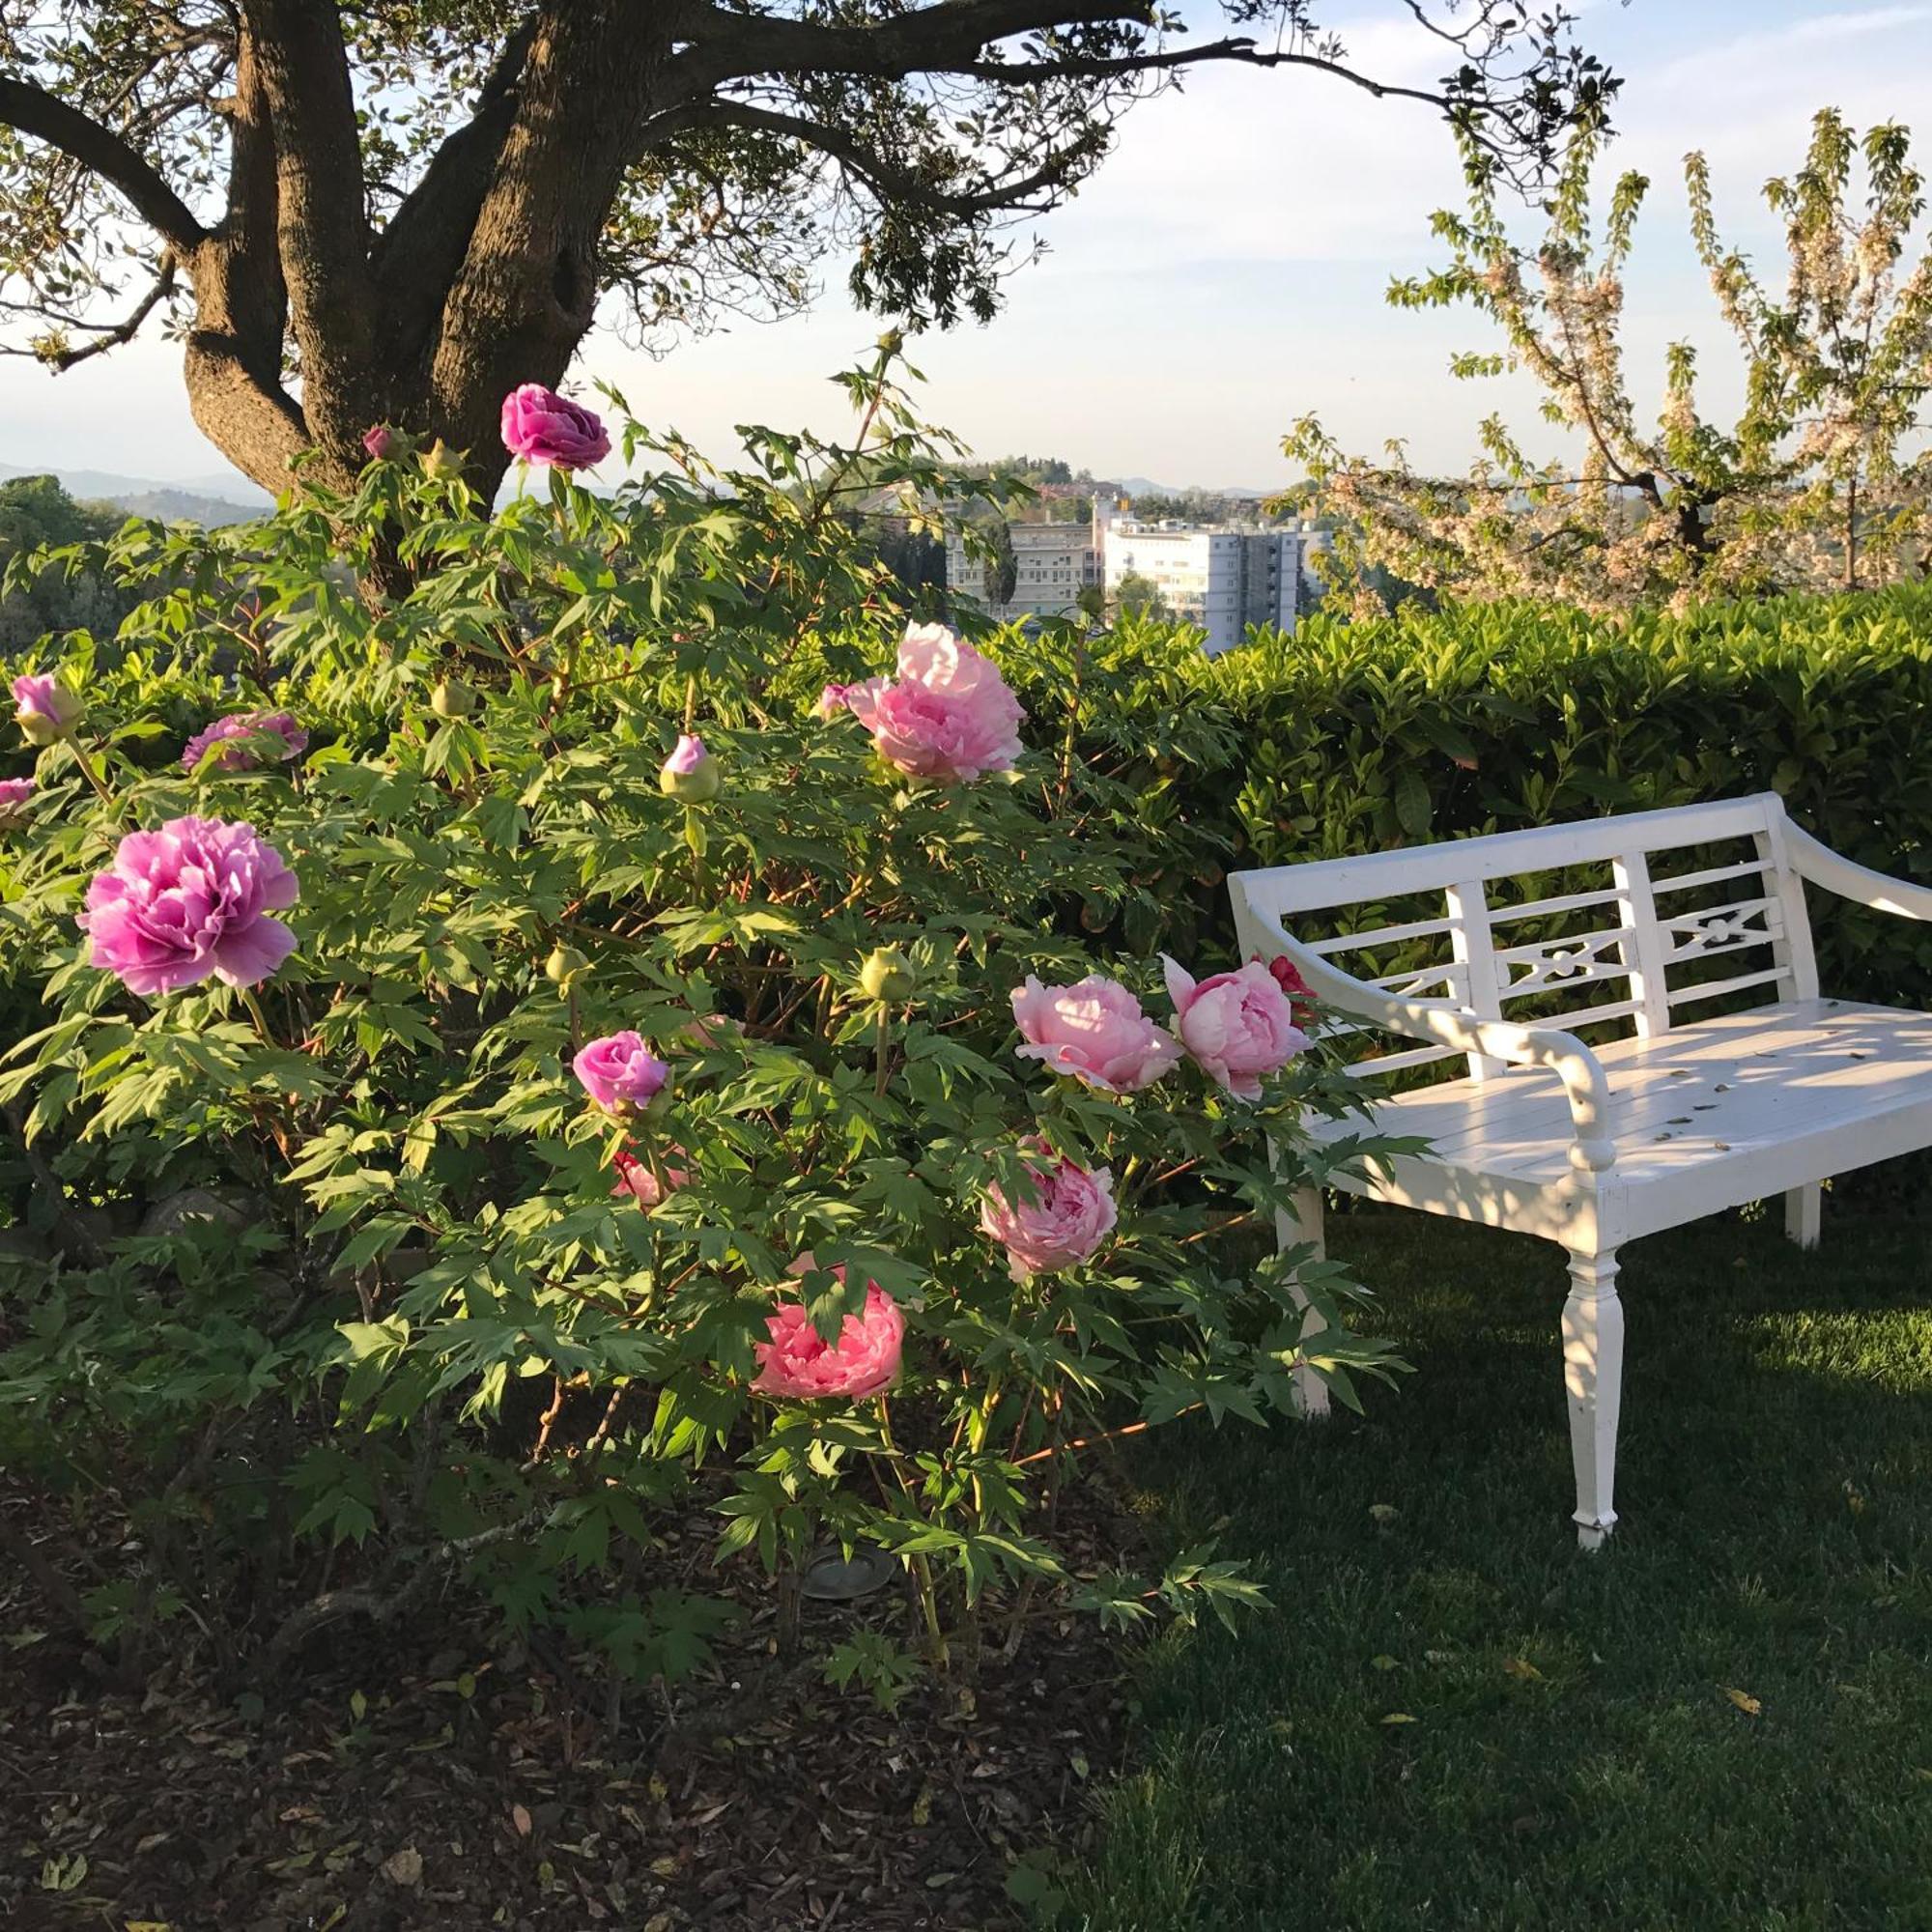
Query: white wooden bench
[[1591, 1147]]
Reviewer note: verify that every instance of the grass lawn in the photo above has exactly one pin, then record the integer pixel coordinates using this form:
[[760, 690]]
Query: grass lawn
[[1453, 1718]]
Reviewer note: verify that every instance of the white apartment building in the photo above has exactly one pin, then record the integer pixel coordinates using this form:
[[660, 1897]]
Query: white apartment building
[[1052, 564], [1227, 582]]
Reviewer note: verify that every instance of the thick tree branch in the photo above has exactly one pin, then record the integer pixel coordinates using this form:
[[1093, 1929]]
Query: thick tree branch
[[322, 209], [527, 289], [233, 362], [725, 45], [44, 116], [418, 253]]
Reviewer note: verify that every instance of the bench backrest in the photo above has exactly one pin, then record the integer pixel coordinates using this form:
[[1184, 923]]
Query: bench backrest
[[1640, 912]]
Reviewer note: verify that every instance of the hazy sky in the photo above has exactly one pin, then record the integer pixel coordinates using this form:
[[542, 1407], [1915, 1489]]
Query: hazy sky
[[1224, 274]]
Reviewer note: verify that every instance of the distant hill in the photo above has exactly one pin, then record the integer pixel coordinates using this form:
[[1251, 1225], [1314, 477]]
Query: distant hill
[[208, 501], [1146, 486]]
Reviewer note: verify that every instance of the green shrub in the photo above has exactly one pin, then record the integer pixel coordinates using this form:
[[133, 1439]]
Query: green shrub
[[1427, 726], [407, 1328]]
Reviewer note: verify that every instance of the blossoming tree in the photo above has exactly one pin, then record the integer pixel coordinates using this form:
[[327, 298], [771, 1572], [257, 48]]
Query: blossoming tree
[[1817, 486], [634, 1010]]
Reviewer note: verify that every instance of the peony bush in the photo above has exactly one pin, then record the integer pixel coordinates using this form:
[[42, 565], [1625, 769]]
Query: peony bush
[[532, 1030]]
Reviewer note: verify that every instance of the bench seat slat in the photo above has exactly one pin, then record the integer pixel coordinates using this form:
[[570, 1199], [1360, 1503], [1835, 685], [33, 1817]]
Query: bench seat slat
[[1731, 1086]]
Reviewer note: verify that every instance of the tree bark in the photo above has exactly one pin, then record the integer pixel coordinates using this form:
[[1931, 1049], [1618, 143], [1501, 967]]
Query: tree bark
[[526, 291], [322, 217], [309, 326], [234, 359]]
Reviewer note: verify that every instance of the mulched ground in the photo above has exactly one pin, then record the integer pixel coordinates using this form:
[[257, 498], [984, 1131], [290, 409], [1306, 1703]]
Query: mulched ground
[[753, 1796]]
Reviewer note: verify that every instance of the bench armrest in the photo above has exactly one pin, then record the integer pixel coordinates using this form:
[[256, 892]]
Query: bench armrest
[[1584, 1082], [1823, 866]]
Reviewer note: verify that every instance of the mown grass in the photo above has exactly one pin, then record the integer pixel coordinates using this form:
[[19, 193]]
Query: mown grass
[[1451, 1719]]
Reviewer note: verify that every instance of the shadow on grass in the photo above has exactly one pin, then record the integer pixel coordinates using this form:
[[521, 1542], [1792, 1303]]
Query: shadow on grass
[[1451, 1719]]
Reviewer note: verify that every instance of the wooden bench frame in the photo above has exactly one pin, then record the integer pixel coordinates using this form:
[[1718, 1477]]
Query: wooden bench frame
[[1604, 1194]]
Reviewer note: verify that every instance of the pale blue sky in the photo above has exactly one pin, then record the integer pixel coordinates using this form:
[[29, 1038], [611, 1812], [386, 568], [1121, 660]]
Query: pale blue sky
[[1224, 274]]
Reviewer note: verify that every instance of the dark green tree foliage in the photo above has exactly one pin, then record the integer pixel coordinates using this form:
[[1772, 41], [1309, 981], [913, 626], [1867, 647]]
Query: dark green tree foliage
[[37, 513], [414, 205]]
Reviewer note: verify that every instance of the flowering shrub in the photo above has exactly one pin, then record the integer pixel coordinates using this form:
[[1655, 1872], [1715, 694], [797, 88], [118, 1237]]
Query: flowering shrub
[[624, 1115], [246, 739]]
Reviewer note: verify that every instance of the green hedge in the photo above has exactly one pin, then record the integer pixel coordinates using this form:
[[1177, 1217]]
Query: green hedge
[[1426, 725]]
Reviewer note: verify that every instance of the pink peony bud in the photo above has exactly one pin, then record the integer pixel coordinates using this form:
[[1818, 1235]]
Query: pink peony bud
[[250, 737], [1073, 1214], [833, 701], [1238, 1026], [620, 1072], [635, 1178], [691, 773], [191, 900], [14, 794], [799, 1361], [542, 427], [47, 710], [948, 715], [1301, 995], [1094, 1032], [379, 441]]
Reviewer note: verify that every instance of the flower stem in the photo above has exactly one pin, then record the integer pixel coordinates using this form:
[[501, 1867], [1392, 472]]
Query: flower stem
[[882, 1052], [928, 1604], [693, 837], [254, 1005], [88, 772], [650, 1147], [922, 1570]]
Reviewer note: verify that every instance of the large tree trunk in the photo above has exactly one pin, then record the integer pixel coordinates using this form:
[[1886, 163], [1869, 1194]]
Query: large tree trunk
[[233, 361], [526, 293], [486, 277]]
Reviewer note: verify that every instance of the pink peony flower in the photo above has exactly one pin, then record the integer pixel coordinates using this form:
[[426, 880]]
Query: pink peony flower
[[947, 715], [799, 1361], [619, 1072], [252, 732], [379, 441], [1095, 1032], [1238, 1026], [14, 796], [542, 427], [46, 709], [1072, 1216], [191, 900], [1301, 995], [832, 700], [635, 1178]]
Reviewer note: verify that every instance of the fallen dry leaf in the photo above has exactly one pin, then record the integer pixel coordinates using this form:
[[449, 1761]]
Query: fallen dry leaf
[[1744, 1701], [404, 1867]]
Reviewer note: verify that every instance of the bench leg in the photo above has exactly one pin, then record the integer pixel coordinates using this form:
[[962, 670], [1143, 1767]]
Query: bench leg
[[1292, 1226], [1592, 1370], [1802, 1214]]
